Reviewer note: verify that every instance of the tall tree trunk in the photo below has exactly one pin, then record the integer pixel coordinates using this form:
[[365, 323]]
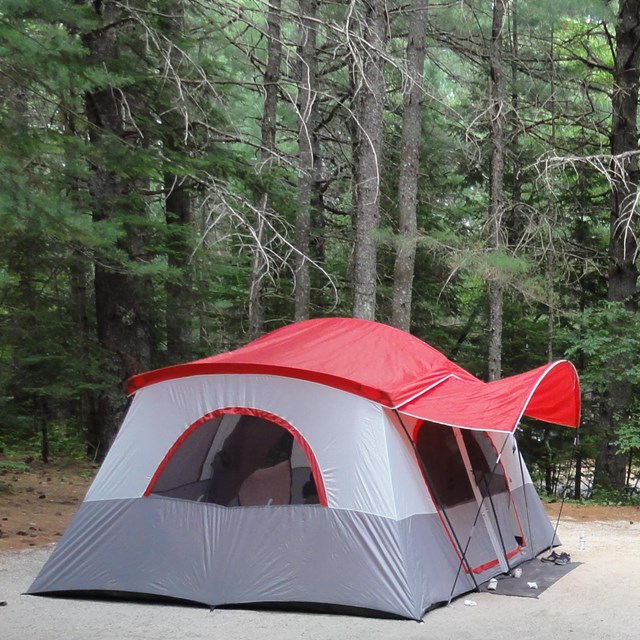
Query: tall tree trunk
[[577, 479], [497, 108], [42, 418], [516, 222], [81, 281], [409, 165], [550, 260], [307, 123], [178, 205], [80, 284], [260, 265], [370, 88], [623, 246], [119, 295], [179, 312]]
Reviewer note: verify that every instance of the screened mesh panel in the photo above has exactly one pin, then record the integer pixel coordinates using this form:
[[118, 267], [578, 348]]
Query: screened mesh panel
[[483, 458], [239, 460], [437, 446], [183, 475]]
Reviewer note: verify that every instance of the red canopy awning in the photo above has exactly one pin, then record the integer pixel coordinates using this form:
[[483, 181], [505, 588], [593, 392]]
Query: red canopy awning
[[549, 393], [398, 370]]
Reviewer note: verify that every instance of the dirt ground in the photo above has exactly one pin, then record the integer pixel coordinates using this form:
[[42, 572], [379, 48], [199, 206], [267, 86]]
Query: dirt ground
[[37, 502], [592, 512]]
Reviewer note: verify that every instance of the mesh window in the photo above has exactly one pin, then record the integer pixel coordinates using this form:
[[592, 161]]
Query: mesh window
[[239, 460], [483, 456], [182, 476], [437, 446]]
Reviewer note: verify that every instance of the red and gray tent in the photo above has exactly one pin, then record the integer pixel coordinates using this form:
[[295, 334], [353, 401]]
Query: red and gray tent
[[333, 462]]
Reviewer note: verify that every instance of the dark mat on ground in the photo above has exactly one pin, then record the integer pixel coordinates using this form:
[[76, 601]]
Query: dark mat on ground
[[544, 574]]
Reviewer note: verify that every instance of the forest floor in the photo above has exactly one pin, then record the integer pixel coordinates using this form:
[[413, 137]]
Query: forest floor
[[597, 600], [38, 500]]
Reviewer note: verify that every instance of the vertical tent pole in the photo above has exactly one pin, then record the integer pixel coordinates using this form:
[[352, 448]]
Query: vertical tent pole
[[564, 495], [440, 504], [495, 517], [526, 501], [475, 521], [498, 544]]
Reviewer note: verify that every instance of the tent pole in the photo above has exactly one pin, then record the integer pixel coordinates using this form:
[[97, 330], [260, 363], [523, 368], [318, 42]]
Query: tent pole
[[564, 494], [495, 516], [510, 503], [440, 505], [466, 548], [497, 543], [475, 521], [526, 501]]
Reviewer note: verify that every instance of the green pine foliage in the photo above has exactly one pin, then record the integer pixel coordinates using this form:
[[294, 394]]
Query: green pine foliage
[[191, 78]]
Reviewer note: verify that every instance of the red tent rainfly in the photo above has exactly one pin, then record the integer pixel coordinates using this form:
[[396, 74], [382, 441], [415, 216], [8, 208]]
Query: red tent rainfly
[[549, 393], [398, 370]]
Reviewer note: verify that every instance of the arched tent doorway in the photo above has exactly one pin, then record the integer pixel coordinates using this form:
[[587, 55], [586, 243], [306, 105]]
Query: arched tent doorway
[[239, 457], [468, 483]]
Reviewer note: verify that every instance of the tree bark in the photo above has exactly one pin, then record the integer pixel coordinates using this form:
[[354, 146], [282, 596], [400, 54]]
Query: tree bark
[[178, 206], [370, 88], [623, 247], [623, 275], [409, 166], [260, 265], [122, 325], [497, 108], [307, 168], [179, 314], [81, 281]]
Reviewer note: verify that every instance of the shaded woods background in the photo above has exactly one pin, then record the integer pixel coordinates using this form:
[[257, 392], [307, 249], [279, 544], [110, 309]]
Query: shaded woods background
[[177, 177]]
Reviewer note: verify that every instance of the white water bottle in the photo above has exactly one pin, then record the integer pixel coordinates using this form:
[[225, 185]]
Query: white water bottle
[[583, 540]]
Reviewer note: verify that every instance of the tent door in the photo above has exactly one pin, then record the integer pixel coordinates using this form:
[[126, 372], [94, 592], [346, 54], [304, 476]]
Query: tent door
[[471, 494], [483, 507]]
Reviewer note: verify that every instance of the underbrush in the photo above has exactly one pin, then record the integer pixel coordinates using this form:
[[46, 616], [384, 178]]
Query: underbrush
[[5, 487], [615, 498], [600, 497]]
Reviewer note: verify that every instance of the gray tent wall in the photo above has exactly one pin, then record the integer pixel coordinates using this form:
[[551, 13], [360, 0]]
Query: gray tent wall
[[164, 547], [538, 531], [373, 547], [167, 547]]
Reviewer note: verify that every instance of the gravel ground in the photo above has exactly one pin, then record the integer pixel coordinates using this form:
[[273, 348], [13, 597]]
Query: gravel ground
[[598, 600]]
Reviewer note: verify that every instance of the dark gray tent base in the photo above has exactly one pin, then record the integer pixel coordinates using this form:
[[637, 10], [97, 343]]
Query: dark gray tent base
[[122, 596], [281, 554], [316, 607], [544, 574], [332, 609], [298, 607]]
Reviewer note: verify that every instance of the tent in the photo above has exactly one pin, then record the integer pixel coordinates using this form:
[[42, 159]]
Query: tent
[[333, 463]]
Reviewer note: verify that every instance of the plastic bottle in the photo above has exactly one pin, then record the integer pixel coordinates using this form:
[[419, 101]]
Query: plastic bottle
[[583, 540]]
